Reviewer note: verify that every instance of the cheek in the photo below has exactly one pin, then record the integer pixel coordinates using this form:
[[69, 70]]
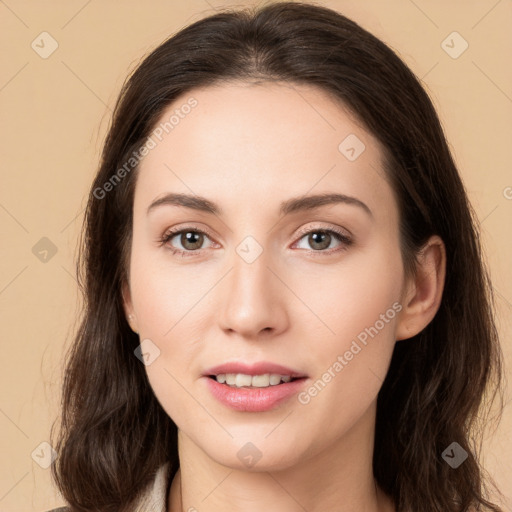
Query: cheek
[[163, 293], [167, 301], [358, 307], [353, 297], [361, 306], [366, 304], [169, 389]]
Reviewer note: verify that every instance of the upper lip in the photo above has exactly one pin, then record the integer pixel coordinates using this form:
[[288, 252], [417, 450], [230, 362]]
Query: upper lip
[[257, 368]]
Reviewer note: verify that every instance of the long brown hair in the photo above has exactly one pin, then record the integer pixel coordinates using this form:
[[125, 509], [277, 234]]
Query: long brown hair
[[114, 434]]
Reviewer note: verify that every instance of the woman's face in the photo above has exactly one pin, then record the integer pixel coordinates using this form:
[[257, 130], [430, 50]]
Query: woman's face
[[268, 282]]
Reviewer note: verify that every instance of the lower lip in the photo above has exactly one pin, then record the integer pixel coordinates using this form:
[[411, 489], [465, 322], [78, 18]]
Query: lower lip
[[253, 399]]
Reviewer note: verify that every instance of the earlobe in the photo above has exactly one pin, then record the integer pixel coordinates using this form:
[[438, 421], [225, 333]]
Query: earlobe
[[128, 308], [423, 293]]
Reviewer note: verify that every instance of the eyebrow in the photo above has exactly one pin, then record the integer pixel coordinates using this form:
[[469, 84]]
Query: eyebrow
[[293, 205]]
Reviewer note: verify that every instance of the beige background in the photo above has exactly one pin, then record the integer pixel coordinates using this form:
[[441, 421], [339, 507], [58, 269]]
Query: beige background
[[55, 112]]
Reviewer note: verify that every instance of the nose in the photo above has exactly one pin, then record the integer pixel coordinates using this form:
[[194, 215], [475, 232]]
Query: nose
[[253, 300]]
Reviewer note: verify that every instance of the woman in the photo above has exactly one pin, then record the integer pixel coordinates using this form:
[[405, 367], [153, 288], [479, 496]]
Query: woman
[[286, 304]]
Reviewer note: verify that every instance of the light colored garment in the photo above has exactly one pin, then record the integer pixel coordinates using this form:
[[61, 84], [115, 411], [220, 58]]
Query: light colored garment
[[154, 497]]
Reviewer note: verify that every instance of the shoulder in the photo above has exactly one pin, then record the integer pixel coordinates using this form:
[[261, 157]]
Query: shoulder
[[153, 498]]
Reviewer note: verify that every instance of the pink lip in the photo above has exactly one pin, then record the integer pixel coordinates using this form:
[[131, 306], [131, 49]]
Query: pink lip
[[258, 368], [253, 399]]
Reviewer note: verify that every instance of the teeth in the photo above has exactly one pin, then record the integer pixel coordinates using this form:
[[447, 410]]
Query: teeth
[[274, 379], [242, 380], [257, 381]]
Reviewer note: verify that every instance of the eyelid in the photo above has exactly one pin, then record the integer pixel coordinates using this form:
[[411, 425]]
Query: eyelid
[[187, 227], [343, 232]]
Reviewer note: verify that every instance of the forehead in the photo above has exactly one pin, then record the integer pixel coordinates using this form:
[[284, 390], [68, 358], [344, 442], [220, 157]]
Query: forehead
[[251, 145]]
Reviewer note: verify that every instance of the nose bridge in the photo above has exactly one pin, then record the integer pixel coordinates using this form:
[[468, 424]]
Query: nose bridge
[[250, 258], [250, 273], [250, 298]]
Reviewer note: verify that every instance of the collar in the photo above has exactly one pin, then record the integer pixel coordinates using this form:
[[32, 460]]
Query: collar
[[154, 496]]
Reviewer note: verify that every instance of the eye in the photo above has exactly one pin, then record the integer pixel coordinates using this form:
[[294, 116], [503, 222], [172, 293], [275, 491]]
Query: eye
[[320, 239], [191, 240]]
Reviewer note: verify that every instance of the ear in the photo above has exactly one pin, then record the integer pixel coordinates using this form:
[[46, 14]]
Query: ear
[[128, 307], [422, 294]]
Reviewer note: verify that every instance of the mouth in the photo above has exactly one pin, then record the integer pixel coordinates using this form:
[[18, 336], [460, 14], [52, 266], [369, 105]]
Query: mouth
[[241, 380], [260, 392]]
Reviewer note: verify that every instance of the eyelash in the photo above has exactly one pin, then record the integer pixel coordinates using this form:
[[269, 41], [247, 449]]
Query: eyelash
[[339, 235]]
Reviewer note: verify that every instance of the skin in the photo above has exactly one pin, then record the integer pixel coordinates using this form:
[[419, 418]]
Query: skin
[[247, 147]]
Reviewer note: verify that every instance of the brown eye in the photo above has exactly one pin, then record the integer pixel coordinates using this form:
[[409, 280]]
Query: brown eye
[[318, 240], [191, 240]]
